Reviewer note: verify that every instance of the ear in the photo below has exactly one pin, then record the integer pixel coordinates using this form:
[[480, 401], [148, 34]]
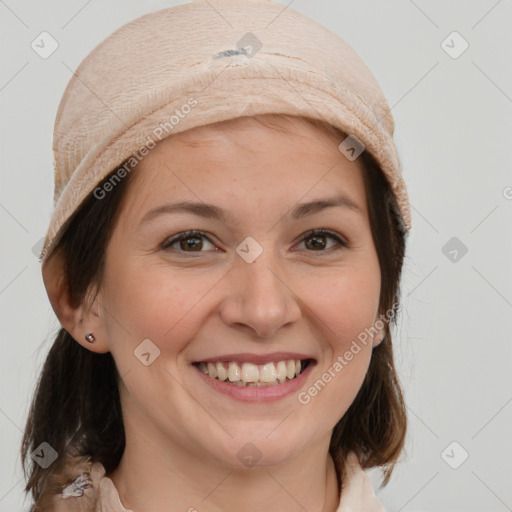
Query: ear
[[380, 327], [378, 338], [76, 319]]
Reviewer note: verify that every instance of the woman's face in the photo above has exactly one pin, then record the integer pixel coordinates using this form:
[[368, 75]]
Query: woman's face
[[255, 288]]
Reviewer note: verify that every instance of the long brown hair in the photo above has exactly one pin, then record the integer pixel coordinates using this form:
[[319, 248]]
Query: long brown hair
[[76, 406]]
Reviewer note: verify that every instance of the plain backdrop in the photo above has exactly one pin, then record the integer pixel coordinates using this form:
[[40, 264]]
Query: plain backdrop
[[453, 115]]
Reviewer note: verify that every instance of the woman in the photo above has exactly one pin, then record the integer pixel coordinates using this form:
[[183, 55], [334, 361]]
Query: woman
[[224, 258]]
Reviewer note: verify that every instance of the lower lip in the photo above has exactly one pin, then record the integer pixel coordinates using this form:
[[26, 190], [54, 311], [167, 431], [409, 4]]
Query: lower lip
[[254, 393]]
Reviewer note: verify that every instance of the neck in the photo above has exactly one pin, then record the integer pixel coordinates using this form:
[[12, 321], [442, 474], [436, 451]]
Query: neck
[[151, 477]]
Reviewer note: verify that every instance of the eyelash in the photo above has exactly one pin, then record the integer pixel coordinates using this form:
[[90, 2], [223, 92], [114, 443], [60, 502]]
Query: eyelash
[[314, 232]]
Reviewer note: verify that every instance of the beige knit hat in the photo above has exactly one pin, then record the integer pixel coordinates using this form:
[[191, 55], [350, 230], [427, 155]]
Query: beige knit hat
[[200, 63]]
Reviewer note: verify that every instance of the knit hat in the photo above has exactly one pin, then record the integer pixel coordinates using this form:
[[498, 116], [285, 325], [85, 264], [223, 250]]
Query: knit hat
[[195, 64]]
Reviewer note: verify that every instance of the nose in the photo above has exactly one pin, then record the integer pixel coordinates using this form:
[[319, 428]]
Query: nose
[[259, 297]]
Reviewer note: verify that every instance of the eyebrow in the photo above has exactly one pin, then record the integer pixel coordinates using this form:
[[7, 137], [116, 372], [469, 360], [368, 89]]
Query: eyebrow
[[210, 211]]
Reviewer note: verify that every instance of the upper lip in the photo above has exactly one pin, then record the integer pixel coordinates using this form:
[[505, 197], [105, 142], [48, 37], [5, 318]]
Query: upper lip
[[256, 358]]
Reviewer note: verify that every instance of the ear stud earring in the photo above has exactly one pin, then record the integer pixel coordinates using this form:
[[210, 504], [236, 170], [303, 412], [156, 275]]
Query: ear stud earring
[[90, 337]]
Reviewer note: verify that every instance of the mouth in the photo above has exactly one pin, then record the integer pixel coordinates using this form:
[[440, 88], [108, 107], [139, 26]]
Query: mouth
[[247, 374]]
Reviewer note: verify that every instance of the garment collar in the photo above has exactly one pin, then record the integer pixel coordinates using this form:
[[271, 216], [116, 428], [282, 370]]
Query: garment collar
[[91, 490]]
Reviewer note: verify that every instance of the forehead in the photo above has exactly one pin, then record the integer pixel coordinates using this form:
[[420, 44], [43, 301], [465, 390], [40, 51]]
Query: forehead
[[281, 160], [291, 134]]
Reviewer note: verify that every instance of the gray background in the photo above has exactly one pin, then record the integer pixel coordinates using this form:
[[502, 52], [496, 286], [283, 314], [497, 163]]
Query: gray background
[[453, 132]]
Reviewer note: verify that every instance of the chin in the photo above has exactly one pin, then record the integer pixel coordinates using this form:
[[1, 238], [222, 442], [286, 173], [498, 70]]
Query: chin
[[260, 449]]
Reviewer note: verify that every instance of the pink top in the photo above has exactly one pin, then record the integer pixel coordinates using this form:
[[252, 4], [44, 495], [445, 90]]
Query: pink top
[[92, 491]]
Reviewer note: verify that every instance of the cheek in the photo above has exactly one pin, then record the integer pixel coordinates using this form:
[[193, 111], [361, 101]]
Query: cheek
[[345, 305], [344, 316], [153, 302], [345, 301]]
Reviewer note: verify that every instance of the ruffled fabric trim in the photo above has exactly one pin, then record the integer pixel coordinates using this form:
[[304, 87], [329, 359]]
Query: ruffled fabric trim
[[77, 487]]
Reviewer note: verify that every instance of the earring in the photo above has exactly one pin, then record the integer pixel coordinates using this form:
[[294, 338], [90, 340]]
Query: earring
[[90, 337]]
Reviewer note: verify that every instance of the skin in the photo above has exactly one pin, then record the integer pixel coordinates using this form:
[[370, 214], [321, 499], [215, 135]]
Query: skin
[[182, 437]]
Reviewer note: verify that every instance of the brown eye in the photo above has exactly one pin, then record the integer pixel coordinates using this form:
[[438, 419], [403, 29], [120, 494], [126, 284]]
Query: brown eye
[[190, 241], [315, 240]]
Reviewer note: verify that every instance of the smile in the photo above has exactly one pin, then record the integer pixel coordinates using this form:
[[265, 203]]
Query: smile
[[252, 375]]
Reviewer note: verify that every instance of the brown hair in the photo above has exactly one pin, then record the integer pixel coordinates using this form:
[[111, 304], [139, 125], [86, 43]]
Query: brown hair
[[76, 404]]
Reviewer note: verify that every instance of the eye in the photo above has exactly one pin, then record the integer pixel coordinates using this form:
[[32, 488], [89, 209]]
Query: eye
[[192, 241], [318, 236], [187, 240]]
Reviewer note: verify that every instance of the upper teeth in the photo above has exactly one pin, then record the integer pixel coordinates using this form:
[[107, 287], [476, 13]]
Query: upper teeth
[[248, 372]]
